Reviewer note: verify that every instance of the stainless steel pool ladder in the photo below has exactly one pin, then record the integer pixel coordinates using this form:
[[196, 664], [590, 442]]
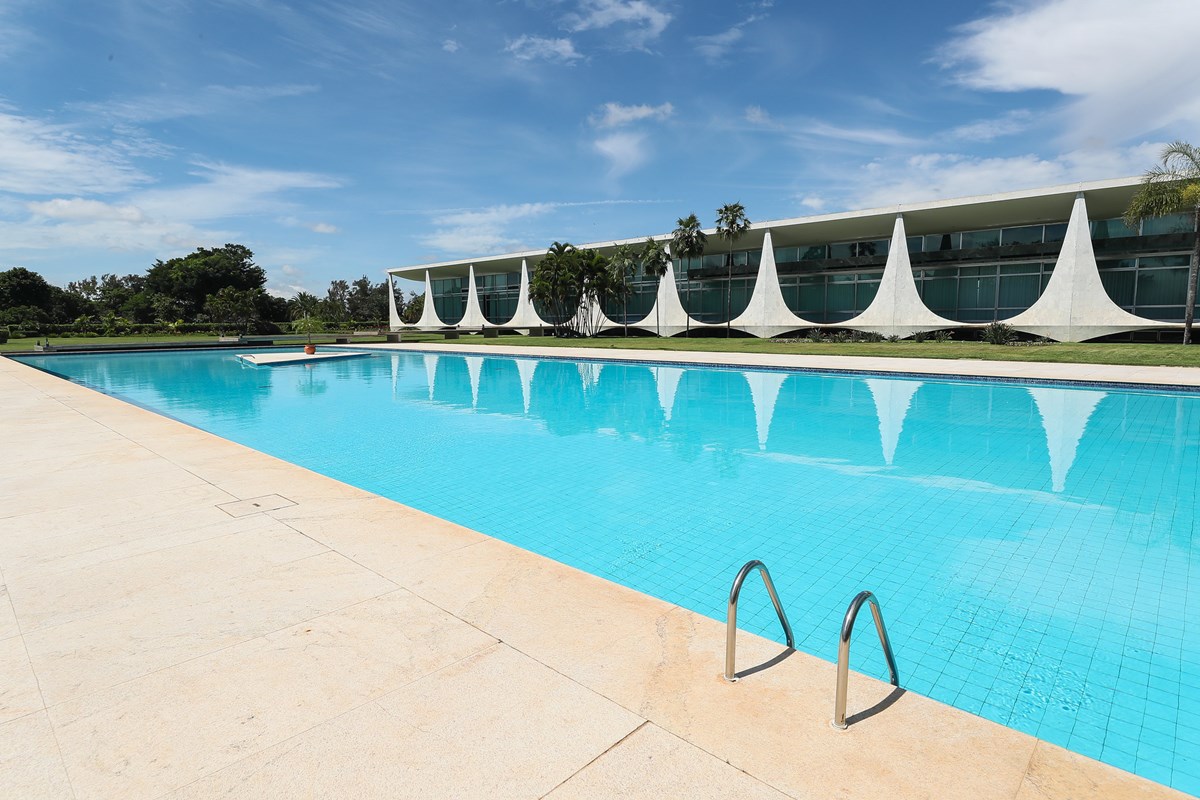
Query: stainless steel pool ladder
[[843, 665], [731, 616]]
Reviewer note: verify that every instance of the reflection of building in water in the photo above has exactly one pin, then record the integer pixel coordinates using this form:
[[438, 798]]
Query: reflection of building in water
[[1065, 414], [1056, 262], [667, 382], [892, 399]]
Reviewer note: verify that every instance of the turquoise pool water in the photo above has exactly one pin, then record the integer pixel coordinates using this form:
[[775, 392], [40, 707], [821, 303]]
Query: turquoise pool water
[[1034, 547]]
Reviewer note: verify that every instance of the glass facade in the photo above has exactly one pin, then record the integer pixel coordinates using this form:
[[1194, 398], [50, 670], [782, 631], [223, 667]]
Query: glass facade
[[967, 276]]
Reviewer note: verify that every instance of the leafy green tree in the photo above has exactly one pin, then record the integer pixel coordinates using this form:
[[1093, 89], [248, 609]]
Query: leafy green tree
[[572, 284], [688, 241], [235, 307], [303, 304], [23, 287], [655, 261], [367, 301], [192, 278], [335, 307], [624, 260], [732, 224], [1173, 187], [411, 313]]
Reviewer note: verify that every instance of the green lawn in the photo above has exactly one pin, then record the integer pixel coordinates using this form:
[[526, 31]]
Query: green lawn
[[1087, 353], [25, 345], [1174, 355]]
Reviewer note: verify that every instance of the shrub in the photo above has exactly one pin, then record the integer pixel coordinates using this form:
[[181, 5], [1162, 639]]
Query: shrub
[[3, 335], [870, 336], [841, 336], [942, 336], [816, 336], [920, 336], [999, 333]]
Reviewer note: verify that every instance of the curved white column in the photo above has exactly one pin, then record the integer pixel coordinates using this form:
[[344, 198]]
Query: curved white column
[[764, 392], [1075, 307], [1065, 414], [394, 321], [668, 309], [473, 315], [767, 313], [897, 308], [429, 318], [892, 400], [526, 315]]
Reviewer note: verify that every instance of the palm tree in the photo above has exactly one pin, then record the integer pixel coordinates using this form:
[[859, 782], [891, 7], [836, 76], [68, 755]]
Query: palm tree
[[688, 241], [655, 261], [731, 224], [1173, 187], [624, 261]]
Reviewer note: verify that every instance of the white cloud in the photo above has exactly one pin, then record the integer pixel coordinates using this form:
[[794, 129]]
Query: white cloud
[[1128, 67], [37, 158], [648, 21], [614, 115], [757, 115], [872, 136], [813, 202], [716, 46], [227, 190], [450, 46], [934, 176], [485, 230], [480, 230], [324, 227], [625, 151], [78, 209], [528, 48], [985, 130]]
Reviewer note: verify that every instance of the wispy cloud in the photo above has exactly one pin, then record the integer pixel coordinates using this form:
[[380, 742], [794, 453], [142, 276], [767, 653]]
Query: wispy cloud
[[614, 115], [1128, 68], [757, 115], [625, 151], [39, 158], [530, 48], [931, 176], [201, 102], [15, 36], [450, 46], [487, 230], [645, 21], [859, 135], [985, 130], [715, 47]]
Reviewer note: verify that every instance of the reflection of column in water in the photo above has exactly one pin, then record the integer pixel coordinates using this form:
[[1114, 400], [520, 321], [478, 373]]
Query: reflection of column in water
[[764, 391], [474, 366], [395, 371], [589, 373], [667, 381], [526, 368], [892, 400], [1065, 414], [431, 362]]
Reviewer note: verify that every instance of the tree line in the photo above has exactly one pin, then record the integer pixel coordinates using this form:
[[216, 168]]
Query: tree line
[[210, 289]]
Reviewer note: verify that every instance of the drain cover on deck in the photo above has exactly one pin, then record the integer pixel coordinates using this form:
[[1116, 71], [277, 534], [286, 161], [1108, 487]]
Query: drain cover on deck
[[255, 505]]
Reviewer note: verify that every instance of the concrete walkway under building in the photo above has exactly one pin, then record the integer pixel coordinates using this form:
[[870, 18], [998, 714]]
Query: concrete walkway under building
[[184, 617]]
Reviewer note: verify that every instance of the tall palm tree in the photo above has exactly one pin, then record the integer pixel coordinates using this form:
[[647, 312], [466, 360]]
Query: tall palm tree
[[655, 261], [1173, 187], [688, 241], [624, 261], [731, 225]]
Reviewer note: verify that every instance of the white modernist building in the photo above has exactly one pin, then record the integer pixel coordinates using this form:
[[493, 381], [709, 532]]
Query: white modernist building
[[1054, 262]]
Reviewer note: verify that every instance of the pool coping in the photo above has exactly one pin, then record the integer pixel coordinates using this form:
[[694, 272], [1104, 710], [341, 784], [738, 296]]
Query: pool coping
[[659, 662], [1113, 376]]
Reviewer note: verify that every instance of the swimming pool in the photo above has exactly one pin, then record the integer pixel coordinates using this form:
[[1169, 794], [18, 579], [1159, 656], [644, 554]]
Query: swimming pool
[[1033, 547]]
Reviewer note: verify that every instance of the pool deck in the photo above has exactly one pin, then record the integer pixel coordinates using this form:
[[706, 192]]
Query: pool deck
[[184, 617]]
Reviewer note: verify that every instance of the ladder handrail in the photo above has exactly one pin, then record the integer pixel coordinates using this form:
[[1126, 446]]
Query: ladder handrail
[[843, 665], [731, 616]]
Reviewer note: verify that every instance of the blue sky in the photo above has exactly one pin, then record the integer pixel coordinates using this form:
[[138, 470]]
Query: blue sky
[[336, 139]]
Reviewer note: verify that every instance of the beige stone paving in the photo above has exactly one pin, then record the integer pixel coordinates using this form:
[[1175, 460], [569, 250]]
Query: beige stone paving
[[346, 646]]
